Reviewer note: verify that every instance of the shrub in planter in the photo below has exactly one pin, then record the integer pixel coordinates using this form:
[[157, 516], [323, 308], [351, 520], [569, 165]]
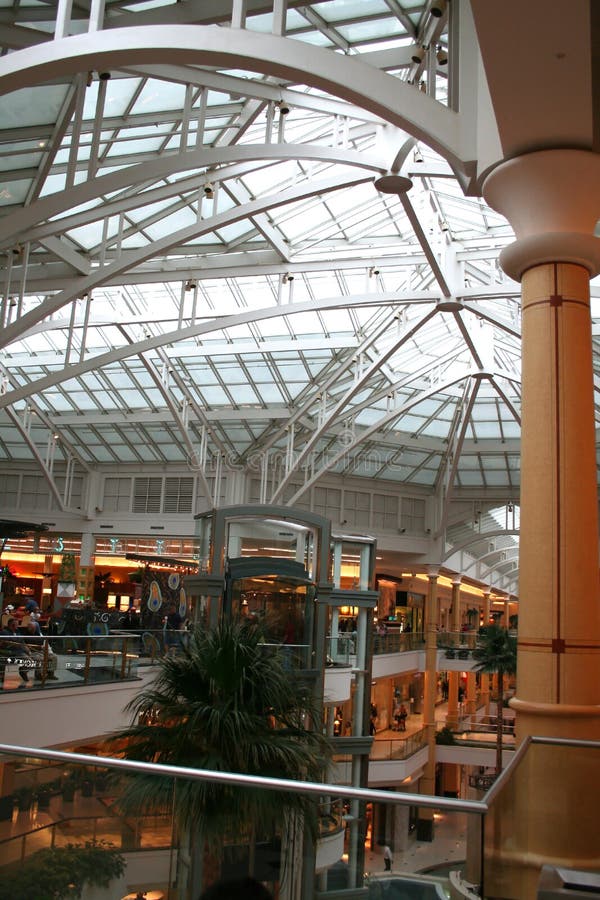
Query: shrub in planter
[[24, 797], [87, 787], [43, 797], [444, 736], [450, 653], [102, 781], [58, 873], [6, 807]]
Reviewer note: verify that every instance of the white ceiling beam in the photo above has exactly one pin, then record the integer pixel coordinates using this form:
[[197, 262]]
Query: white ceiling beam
[[72, 257], [346, 450], [21, 221], [341, 408], [346, 77], [98, 276], [230, 321]]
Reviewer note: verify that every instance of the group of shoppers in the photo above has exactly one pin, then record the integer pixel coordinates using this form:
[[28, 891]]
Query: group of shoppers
[[24, 643]]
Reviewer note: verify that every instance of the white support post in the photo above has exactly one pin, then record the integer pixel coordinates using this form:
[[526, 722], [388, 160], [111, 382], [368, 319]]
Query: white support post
[[104, 240], [63, 18], [289, 450], [269, 123], [217, 485], [24, 270], [279, 16], [185, 119], [264, 476], [96, 20], [194, 303], [238, 14], [50, 450], [75, 133], [201, 118], [86, 321], [97, 130], [70, 332], [182, 293]]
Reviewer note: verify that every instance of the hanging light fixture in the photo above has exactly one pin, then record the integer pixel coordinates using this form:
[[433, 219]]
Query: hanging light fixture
[[418, 54]]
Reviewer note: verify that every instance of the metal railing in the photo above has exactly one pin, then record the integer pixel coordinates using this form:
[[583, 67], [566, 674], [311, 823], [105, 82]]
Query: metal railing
[[398, 748]]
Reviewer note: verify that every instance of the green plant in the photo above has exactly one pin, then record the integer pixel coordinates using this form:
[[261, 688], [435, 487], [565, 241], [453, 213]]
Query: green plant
[[24, 797], [62, 872], [496, 652], [227, 705], [43, 794], [444, 736], [6, 807]]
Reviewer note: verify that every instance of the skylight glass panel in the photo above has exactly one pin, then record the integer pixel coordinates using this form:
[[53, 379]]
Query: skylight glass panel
[[157, 96], [171, 224], [25, 107], [19, 161], [471, 479], [230, 233], [363, 32], [487, 430], [119, 92], [15, 191], [142, 145], [316, 38], [245, 394]]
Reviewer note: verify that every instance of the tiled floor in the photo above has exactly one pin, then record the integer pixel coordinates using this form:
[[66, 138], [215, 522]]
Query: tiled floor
[[448, 848]]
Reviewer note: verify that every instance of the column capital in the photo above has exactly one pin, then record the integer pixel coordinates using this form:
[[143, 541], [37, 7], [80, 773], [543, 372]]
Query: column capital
[[551, 199]]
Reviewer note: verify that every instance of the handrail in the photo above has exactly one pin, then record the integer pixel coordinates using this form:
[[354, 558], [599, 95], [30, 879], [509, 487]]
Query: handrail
[[268, 783], [451, 804]]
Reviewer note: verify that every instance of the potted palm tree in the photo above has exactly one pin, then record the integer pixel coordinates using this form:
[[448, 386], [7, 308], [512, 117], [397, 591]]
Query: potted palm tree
[[497, 653], [58, 873], [224, 704]]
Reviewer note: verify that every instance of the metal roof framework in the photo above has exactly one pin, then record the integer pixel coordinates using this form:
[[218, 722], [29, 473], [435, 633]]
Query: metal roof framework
[[200, 260]]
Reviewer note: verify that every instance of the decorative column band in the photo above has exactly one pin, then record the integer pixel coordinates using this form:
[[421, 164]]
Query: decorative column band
[[558, 645], [556, 300], [556, 710]]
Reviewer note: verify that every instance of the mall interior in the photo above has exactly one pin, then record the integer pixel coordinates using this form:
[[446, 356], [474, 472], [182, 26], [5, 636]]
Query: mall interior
[[300, 322]]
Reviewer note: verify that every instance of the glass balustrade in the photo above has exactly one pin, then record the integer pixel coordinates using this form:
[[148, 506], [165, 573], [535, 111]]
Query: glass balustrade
[[62, 809]]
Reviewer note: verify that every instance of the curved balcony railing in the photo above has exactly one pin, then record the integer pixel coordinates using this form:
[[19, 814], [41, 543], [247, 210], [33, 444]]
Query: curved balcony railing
[[398, 748]]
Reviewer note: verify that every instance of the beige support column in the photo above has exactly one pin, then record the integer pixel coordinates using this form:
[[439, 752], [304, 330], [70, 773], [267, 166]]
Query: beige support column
[[484, 677], [455, 619], [471, 697], [452, 713], [551, 199], [559, 625], [427, 782]]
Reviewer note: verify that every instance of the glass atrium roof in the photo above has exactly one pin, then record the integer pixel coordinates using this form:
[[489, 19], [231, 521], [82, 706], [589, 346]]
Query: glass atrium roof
[[199, 263]]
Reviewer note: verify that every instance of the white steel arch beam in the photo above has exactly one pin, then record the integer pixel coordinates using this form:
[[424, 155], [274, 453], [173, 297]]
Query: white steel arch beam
[[103, 359], [175, 413], [346, 77], [456, 440], [372, 429], [340, 407], [99, 276], [38, 458], [477, 538], [21, 221]]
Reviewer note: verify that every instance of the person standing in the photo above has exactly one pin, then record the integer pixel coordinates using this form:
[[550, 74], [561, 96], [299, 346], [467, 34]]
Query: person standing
[[387, 858]]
